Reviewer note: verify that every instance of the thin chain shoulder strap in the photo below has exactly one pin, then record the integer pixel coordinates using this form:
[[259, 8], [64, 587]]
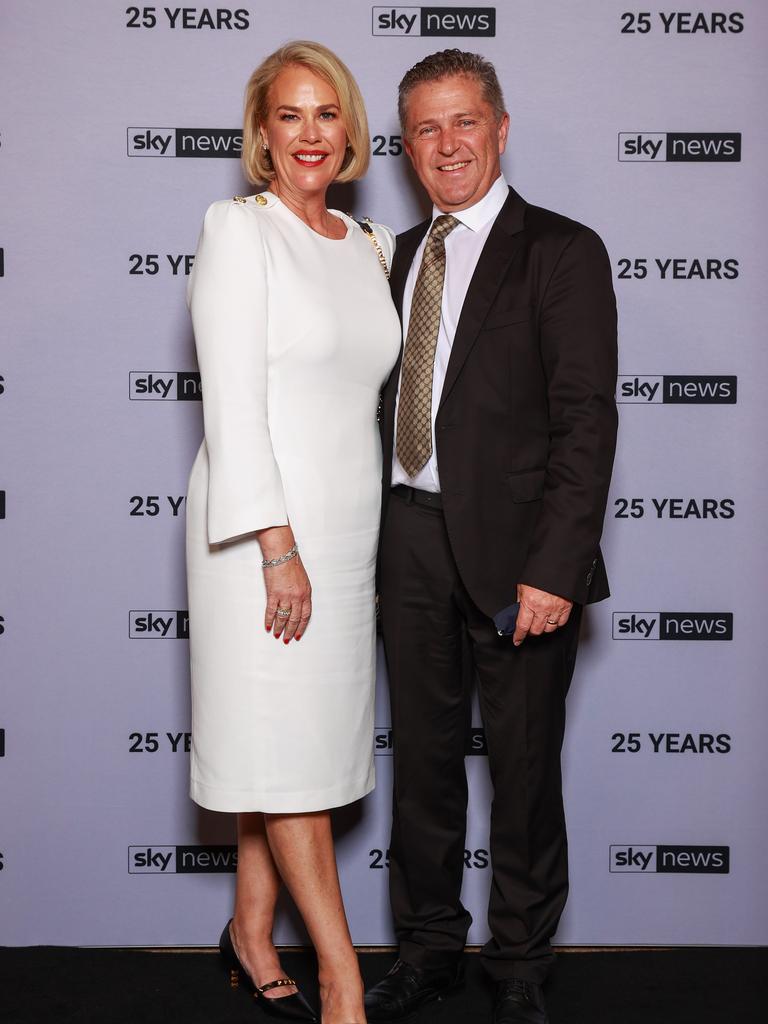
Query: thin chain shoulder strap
[[367, 227]]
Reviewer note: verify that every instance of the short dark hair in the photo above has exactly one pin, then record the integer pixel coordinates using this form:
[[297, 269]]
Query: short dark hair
[[445, 64]]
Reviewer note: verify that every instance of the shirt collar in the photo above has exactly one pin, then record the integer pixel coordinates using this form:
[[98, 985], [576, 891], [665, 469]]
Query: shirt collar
[[486, 209]]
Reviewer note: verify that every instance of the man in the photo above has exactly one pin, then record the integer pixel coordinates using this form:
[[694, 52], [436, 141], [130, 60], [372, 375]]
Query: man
[[498, 426]]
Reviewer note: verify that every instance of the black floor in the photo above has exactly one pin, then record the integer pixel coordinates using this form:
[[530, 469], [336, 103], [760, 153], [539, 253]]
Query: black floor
[[85, 986]]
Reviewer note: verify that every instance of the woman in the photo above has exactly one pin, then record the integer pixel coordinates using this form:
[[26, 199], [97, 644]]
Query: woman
[[295, 335]]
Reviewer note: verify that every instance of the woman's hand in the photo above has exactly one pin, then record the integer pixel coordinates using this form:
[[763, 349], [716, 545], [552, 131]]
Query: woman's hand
[[288, 587]]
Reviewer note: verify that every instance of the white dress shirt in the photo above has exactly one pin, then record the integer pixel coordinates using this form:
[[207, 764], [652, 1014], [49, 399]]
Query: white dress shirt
[[462, 251]]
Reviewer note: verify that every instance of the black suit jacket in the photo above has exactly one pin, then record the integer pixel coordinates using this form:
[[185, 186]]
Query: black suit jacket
[[526, 427]]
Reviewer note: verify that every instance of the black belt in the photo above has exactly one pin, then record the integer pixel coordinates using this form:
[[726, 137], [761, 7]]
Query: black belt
[[416, 497]]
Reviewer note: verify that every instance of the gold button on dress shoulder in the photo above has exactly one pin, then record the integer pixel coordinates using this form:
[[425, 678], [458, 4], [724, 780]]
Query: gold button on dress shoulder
[[238, 199], [261, 200]]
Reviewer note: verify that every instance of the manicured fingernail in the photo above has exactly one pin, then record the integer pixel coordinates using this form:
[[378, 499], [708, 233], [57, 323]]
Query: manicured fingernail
[[297, 637], [287, 640], [518, 642], [268, 629]]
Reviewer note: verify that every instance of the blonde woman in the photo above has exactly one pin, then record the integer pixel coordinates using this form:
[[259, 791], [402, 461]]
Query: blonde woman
[[295, 334]]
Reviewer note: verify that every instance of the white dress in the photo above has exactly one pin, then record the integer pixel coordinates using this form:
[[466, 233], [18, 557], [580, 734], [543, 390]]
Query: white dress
[[295, 335]]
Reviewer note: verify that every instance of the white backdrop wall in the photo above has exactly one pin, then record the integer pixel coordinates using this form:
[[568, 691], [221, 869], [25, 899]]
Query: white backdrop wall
[[665, 760]]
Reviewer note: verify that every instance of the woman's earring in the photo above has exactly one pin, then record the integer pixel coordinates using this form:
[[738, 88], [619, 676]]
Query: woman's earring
[[265, 147]]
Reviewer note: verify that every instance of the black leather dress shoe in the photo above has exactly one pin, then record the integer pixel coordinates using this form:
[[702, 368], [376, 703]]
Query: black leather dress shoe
[[519, 1002], [407, 988]]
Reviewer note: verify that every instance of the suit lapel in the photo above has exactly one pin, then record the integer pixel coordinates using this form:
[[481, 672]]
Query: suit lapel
[[405, 250], [407, 244], [504, 239]]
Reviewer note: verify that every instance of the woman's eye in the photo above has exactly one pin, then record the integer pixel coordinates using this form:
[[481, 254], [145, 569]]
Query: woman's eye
[[287, 117], [328, 115]]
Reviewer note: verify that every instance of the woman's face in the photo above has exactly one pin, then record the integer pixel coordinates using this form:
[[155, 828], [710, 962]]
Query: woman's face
[[304, 131]]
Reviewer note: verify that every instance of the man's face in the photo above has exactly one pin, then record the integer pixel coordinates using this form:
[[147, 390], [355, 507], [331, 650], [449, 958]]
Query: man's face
[[454, 141]]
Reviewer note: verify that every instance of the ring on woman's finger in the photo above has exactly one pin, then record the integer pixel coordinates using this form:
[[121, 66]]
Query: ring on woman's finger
[[284, 613]]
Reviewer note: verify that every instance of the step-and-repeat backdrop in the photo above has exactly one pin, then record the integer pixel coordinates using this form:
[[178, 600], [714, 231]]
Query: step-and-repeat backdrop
[[118, 126]]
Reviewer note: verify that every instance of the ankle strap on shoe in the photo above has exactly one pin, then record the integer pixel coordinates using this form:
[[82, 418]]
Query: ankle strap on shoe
[[280, 983]]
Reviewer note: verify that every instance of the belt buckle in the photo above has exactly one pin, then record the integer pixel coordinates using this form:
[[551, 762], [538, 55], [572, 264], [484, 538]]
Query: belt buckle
[[404, 492]]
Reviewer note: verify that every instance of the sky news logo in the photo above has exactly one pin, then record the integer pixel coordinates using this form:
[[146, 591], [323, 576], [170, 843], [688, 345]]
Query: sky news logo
[[677, 389], [673, 626], [161, 385], [670, 860], [181, 860], [680, 147], [185, 142], [434, 21], [158, 625], [383, 742]]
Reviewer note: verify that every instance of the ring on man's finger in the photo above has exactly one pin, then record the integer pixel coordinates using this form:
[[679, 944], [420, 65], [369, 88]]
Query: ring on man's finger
[[551, 622], [284, 613]]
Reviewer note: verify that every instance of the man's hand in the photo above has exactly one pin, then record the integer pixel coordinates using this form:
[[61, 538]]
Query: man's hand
[[539, 613]]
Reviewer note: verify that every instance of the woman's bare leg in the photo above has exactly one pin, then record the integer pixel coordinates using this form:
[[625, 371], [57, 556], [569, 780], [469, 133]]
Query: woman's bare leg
[[302, 848], [258, 884]]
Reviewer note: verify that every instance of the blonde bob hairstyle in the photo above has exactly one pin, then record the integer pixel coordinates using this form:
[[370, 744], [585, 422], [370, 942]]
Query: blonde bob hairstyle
[[326, 65]]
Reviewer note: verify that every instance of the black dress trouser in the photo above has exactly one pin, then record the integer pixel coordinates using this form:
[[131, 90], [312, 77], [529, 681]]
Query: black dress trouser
[[428, 622]]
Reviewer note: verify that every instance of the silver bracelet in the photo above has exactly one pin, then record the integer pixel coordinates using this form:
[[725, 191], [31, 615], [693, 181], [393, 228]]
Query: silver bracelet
[[270, 563]]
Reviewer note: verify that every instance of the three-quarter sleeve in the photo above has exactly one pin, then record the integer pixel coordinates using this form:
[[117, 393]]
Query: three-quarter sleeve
[[228, 303]]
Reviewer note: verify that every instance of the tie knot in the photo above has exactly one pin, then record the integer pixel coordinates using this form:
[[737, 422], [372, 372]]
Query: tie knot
[[442, 226]]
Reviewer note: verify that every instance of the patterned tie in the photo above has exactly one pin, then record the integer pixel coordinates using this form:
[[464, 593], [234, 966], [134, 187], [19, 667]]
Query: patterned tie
[[414, 414]]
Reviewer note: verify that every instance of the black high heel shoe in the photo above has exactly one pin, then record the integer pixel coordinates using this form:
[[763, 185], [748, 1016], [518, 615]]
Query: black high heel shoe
[[293, 1007]]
